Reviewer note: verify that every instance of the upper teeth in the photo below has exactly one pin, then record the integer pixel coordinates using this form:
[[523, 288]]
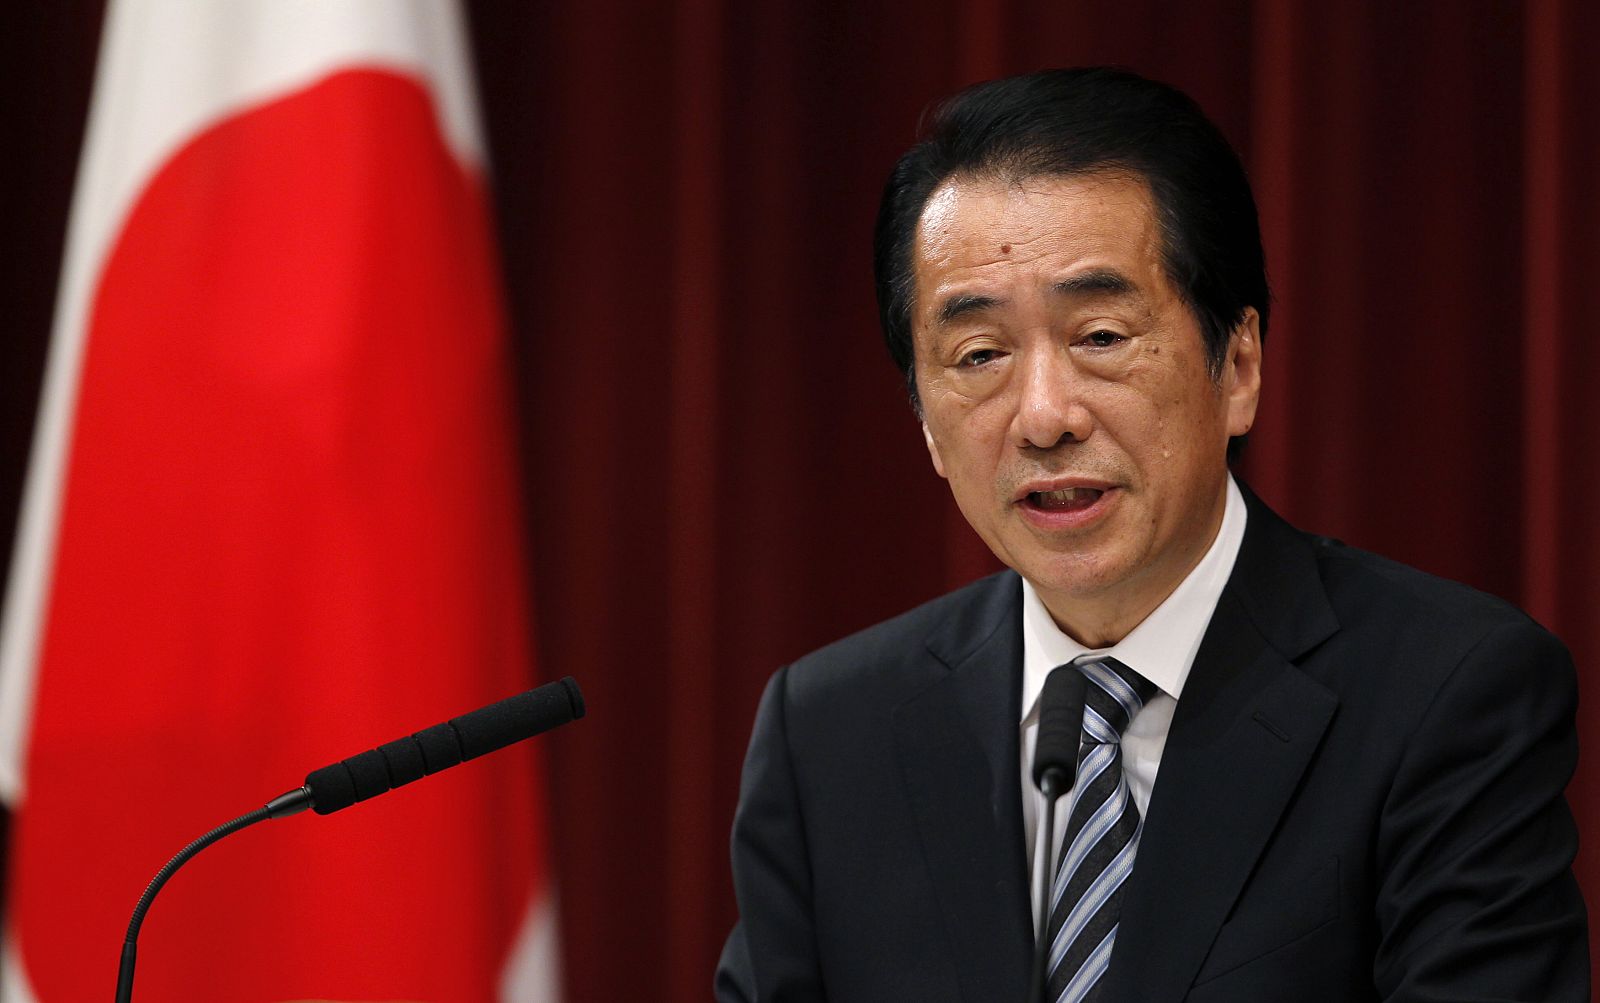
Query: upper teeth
[[1069, 494]]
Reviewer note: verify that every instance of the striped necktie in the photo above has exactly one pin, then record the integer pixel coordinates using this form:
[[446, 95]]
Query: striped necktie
[[1102, 835]]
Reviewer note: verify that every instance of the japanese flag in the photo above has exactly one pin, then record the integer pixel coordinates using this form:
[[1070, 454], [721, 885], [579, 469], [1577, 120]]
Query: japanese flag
[[272, 519]]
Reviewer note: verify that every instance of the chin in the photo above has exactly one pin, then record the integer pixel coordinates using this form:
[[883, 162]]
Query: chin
[[1086, 578]]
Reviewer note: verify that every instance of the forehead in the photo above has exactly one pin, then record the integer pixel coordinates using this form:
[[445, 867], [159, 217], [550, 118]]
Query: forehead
[[977, 229]]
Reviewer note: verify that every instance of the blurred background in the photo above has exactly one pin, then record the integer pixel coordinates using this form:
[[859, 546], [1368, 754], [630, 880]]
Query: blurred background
[[720, 466]]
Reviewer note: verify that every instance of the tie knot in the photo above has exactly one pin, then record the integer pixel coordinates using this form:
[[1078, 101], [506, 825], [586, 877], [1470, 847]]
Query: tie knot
[[1114, 695]]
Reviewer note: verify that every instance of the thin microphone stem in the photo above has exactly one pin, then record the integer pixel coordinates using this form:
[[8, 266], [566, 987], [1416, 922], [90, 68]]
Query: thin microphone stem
[[286, 804], [360, 777], [1051, 786]]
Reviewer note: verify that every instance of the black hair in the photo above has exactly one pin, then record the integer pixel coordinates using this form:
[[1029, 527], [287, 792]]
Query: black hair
[[1082, 121]]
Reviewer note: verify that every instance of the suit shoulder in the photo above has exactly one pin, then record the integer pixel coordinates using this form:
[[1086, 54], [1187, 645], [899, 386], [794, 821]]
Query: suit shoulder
[[1368, 589], [896, 650]]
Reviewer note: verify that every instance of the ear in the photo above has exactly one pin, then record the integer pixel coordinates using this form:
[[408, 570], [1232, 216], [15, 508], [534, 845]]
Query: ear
[[933, 451], [1241, 373]]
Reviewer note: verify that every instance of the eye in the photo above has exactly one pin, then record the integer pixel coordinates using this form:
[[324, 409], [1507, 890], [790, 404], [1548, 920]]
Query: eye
[[979, 357], [1103, 339]]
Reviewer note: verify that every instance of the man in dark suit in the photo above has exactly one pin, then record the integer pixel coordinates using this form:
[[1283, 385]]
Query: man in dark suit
[[1307, 773]]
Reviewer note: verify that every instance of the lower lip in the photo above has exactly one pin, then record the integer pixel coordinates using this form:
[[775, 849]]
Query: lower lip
[[1062, 520]]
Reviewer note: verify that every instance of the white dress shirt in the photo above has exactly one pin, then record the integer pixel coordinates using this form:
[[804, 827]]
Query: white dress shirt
[[1161, 648]]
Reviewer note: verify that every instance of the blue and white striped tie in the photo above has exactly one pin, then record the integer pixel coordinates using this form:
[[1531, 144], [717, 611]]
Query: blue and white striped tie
[[1102, 835]]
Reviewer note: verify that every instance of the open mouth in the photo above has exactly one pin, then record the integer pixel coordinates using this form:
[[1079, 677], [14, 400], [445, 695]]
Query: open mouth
[[1065, 500]]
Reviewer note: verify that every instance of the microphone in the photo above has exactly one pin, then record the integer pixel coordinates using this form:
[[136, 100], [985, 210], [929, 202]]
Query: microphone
[[457, 740], [1055, 754], [375, 771], [1055, 770]]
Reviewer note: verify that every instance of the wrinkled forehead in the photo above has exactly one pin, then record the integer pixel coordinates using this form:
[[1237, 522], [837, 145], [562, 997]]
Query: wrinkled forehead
[[970, 225], [1019, 184]]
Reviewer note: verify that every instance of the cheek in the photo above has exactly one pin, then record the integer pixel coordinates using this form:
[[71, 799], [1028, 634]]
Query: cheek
[[1164, 430], [956, 415], [1180, 388], [967, 444], [944, 399], [1139, 417]]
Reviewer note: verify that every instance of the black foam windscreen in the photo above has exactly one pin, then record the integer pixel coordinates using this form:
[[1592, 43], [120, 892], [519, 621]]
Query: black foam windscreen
[[1060, 724], [444, 745]]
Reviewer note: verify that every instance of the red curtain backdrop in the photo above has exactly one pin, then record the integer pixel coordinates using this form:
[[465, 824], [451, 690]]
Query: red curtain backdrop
[[722, 467]]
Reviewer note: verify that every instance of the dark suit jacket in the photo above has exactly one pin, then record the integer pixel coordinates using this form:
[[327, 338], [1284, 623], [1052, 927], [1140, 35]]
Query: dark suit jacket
[[1360, 799]]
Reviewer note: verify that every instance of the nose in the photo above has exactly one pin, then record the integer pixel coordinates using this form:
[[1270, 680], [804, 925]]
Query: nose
[[1051, 409]]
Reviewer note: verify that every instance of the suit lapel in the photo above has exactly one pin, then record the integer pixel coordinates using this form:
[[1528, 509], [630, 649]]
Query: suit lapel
[[957, 744], [1245, 729]]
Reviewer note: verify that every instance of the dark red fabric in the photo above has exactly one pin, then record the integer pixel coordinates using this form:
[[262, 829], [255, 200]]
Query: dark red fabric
[[723, 470]]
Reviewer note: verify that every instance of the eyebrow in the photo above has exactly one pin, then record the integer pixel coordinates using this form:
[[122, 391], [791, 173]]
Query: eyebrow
[[1100, 280], [962, 304]]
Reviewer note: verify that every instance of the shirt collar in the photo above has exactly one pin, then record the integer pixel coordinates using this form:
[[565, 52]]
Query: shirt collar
[[1162, 647]]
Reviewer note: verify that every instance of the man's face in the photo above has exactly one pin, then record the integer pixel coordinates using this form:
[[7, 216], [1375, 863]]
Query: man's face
[[1065, 391]]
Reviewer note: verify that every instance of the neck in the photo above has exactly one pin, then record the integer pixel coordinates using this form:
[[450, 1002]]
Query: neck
[[1095, 626]]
